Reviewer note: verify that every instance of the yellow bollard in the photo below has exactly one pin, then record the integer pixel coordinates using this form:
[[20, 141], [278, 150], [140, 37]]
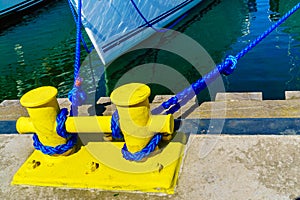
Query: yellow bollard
[[136, 122], [42, 107]]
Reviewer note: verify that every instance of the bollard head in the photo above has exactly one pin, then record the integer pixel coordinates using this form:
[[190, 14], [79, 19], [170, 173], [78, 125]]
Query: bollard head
[[130, 94], [38, 96]]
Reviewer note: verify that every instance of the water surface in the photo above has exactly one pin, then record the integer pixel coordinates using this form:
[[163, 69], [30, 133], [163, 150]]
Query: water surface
[[39, 49]]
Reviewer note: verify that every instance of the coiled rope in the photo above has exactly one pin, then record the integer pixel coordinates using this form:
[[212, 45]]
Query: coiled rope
[[61, 131], [149, 148]]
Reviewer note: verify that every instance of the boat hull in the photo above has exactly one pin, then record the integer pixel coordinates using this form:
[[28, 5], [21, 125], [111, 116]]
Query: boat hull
[[10, 7], [114, 27]]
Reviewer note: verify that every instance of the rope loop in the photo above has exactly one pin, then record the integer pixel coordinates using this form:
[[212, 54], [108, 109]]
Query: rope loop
[[61, 131], [60, 121], [60, 149], [137, 156], [117, 134]]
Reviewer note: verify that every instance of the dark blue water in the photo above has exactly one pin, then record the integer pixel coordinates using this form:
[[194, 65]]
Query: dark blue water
[[273, 66], [39, 49]]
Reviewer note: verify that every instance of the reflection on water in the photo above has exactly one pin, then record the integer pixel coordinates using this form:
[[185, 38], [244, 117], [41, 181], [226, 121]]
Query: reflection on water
[[292, 30], [37, 51], [274, 10], [266, 68], [252, 5], [206, 26], [40, 50]]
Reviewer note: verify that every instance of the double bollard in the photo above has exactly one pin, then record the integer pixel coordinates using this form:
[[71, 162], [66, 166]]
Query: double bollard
[[136, 122]]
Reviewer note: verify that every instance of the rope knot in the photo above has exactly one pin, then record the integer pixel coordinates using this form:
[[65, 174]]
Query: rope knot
[[77, 96], [78, 82], [229, 65]]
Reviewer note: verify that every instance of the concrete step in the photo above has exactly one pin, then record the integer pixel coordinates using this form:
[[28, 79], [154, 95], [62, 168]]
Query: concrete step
[[248, 109], [239, 96], [226, 105], [289, 95]]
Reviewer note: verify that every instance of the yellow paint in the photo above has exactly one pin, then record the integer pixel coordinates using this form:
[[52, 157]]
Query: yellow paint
[[42, 107], [88, 124], [82, 124], [100, 165], [137, 124]]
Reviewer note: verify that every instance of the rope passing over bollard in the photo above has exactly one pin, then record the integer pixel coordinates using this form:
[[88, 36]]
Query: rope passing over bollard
[[61, 131]]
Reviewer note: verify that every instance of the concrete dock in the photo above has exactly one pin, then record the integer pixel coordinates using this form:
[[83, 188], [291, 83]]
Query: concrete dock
[[216, 165]]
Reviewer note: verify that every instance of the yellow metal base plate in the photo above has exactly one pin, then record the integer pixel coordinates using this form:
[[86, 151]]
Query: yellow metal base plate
[[100, 165]]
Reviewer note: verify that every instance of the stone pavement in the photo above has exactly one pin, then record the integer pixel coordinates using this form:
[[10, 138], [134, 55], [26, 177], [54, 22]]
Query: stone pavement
[[215, 166]]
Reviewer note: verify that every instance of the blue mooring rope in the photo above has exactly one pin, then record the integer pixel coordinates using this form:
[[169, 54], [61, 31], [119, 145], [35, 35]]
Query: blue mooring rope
[[81, 37], [144, 152], [267, 32], [115, 126], [226, 68], [117, 134], [174, 103], [61, 131], [77, 96]]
